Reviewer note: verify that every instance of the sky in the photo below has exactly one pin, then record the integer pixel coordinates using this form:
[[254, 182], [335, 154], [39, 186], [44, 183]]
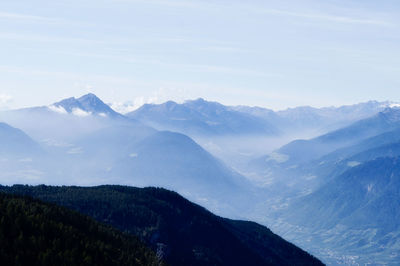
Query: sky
[[274, 54]]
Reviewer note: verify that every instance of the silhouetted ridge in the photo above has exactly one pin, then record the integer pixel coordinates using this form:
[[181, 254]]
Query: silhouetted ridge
[[36, 233], [181, 232]]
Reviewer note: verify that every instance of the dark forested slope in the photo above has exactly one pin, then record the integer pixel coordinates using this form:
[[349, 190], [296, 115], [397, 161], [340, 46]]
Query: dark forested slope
[[37, 233], [181, 232]]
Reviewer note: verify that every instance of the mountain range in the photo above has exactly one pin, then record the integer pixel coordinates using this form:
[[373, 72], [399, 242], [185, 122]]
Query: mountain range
[[237, 161], [347, 181], [103, 146]]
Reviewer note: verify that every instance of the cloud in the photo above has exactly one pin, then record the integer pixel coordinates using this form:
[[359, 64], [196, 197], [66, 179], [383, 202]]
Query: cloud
[[156, 97], [41, 19], [57, 109], [129, 106], [80, 112], [16, 16], [26, 160], [5, 99], [184, 4], [77, 150], [325, 17]]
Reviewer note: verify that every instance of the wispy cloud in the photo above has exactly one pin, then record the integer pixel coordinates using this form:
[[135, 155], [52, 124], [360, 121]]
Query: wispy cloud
[[45, 38], [171, 3], [29, 18], [220, 69], [326, 17], [17, 16], [35, 19]]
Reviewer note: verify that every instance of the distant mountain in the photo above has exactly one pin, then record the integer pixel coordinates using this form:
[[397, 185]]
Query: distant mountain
[[355, 213], [294, 152], [95, 149], [179, 231], [337, 162], [326, 119], [126, 155], [200, 117], [88, 104], [14, 142], [65, 120], [37, 233]]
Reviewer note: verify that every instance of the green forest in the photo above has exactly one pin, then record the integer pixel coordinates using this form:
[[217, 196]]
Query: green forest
[[178, 231], [37, 233]]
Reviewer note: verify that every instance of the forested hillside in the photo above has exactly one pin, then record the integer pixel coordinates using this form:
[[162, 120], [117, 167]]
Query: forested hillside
[[179, 231], [37, 233]]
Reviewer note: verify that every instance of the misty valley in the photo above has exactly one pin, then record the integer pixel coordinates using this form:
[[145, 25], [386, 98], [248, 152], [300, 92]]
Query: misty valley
[[325, 179]]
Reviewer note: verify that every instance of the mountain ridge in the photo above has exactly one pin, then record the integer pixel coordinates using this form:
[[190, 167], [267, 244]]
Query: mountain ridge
[[185, 233]]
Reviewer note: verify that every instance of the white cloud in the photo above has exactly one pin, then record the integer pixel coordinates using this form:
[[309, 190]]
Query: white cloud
[[57, 109], [5, 100], [80, 112], [129, 106], [326, 17]]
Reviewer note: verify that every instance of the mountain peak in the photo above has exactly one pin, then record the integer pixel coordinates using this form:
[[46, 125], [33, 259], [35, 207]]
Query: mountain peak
[[87, 104], [90, 97]]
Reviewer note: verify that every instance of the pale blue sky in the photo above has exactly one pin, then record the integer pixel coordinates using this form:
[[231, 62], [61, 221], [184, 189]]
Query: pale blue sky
[[275, 54]]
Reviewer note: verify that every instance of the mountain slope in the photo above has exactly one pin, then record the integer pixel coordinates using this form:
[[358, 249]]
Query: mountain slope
[[36, 233], [327, 119], [184, 233], [357, 212], [298, 153], [382, 122], [202, 118], [166, 159], [65, 120], [14, 141]]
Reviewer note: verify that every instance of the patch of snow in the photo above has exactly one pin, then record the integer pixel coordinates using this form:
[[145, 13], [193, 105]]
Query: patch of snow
[[55, 143], [310, 177], [277, 157], [353, 163]]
